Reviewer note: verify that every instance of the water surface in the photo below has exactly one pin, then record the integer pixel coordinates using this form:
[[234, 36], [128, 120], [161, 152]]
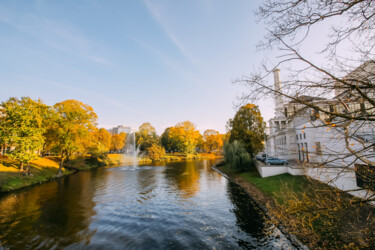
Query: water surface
[[161, 206]]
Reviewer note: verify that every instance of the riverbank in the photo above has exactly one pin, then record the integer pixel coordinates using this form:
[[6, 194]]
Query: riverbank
[[184, 157], [318, 215], [44, 169]]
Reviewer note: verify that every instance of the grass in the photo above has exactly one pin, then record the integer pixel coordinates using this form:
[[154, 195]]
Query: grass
[[42, 170], [319, 215], [273, 185], [45, 169]]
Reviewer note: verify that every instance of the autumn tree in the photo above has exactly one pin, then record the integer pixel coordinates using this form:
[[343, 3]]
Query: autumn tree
[[22, 128], [73, 124], [185, 135], [248, 127], [201, 144], [156, 152], [100, 142], [213, 140], [117, 142], [146, 137]]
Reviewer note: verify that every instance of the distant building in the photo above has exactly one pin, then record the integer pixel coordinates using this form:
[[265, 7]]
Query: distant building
[[121, 128]]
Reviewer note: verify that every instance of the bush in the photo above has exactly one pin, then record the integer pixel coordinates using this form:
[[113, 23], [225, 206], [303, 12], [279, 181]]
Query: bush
[[156, 152], [236, 156]]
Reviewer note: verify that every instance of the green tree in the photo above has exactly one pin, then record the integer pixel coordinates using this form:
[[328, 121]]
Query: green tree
[[167, 141], [146, 137], [248, 127], [236, 156], [22, 128], [2, 130], [73, 124]]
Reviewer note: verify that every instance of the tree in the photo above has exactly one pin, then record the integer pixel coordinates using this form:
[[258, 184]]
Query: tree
[[73, 124], [156, 152], [248, 127], [101, 142], [185, 135], [201, 144], [344, 74], [22, 128], [213, 140], [146, 136], [341, 70], [236, 156], [117, 142], [167, 141]]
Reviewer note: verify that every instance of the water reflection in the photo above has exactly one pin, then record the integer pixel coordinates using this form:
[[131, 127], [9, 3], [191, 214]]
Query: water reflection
[[175, 206], [184, 176], [51, 215]]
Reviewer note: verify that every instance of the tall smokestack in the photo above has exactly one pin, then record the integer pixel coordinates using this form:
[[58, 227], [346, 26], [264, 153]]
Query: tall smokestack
[[278, 97]]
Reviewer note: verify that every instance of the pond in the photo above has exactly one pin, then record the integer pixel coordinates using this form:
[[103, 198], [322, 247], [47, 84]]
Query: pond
[[170, 205]]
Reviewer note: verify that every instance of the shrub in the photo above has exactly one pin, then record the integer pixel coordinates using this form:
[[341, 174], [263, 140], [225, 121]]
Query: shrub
[[236, 156], [156, 152]]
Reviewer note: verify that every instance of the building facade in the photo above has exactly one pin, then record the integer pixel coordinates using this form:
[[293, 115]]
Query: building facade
[[122, 129], [328, 147]]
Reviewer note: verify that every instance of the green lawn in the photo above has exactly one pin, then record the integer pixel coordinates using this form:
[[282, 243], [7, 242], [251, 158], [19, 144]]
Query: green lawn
[[271, 186]]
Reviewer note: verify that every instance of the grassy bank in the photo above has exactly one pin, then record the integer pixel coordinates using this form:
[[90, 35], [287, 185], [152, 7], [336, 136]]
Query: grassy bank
[[41, 170], [319, 215], [184, 157], [45, 169]]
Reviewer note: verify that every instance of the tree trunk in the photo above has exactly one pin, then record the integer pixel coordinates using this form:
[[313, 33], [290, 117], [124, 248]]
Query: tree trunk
[[21, 166], [59, 172], [2, 150], [28, 168]]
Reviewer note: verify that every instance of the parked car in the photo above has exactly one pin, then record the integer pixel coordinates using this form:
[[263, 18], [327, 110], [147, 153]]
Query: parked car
[[261, 158], [275, 161]]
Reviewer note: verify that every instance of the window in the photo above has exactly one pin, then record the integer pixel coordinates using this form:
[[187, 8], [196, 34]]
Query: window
[[307, 153], [304, 135], [297, 137], [300, 136], [286, 112], [299, 152]]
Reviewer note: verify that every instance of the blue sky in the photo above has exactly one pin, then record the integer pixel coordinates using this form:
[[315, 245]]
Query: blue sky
[[159, 61]]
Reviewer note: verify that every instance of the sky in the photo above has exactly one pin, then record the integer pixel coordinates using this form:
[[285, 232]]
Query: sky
[[157, 61]]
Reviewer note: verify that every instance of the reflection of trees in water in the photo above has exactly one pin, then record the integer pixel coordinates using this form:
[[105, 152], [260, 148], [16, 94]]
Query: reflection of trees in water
[[248, 216], [185, 176], [54, 214]]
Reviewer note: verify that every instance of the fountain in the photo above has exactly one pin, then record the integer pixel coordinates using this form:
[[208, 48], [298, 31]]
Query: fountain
[[132, 151]]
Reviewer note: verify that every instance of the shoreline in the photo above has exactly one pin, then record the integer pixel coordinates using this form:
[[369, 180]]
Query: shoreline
[[24, 181], [260, 199]]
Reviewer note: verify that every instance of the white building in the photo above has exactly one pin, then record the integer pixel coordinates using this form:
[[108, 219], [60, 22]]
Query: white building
[[122, 129], [327, 150]]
